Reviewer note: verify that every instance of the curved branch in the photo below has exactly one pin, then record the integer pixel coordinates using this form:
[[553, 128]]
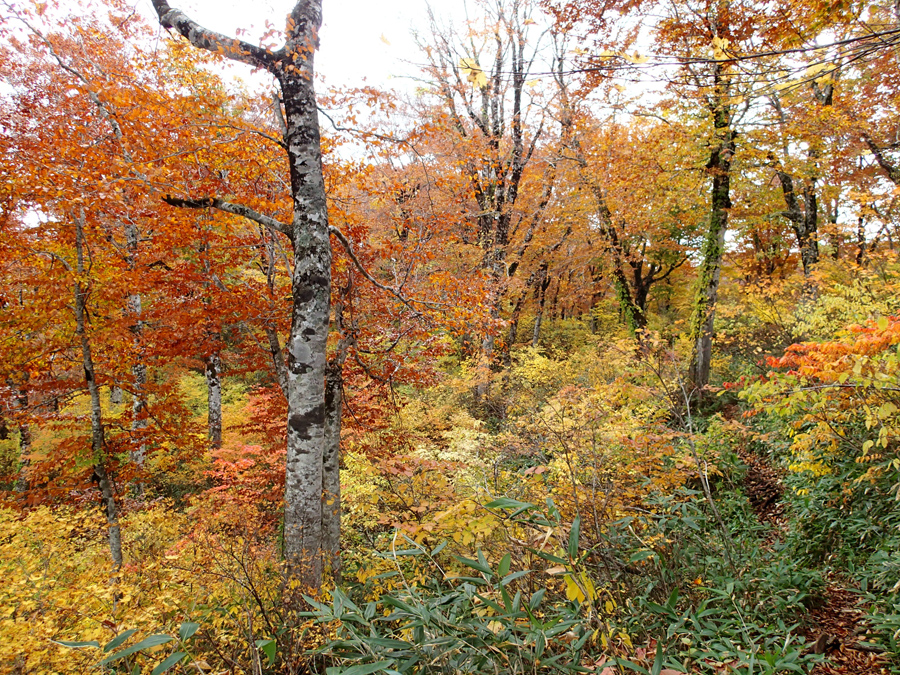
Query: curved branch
[[234, 49], [362, 270]]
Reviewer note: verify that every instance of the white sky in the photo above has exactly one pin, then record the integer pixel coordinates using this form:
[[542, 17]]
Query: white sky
[[362, 41]]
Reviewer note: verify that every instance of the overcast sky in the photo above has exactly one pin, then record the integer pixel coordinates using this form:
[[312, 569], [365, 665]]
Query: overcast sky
[[361, 40]]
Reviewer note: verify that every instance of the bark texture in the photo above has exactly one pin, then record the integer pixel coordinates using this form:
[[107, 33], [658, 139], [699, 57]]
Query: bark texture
[[22, 481], [139, 368]]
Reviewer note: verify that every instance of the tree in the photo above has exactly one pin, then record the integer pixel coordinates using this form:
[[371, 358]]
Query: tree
[[493, 125], [293, 68]]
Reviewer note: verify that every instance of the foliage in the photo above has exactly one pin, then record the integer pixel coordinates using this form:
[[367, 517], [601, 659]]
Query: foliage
[[522, 257]]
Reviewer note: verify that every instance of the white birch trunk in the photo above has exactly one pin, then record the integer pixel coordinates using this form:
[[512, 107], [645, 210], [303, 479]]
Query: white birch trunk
[[214, 400]]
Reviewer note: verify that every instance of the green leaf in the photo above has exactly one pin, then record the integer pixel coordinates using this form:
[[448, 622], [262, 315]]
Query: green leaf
[[509, 578], [505, 563], [146, 643], [77, 645], [641, 555], [119, 639], [658, 661], [268, 648], [440, 547], [633, 666], [475, 565], [170, 661], [367, 668], [187, 630], [507, 503], [536, 599], [673, 598], [574, 534], [550, 557]]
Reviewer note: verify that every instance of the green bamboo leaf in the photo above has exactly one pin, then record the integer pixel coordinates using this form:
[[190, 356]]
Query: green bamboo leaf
[[168, 663], [146, 643], [119, 639], [505, 564], [367, 668], [77, 645], [574, 534], [268, 648], [187, 630]]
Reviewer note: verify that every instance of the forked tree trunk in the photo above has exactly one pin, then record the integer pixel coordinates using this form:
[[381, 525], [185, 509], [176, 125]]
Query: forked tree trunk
[[98, 451], [293, 67]]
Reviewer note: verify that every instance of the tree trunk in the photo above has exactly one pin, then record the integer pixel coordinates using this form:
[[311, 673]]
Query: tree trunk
[[311, 287], [331, 457], [632, 314], [542, 283], [293, 66], [719, 166], [331, 474], [214, 400], [808, 237], [861, 241], [97, 442], [139, 368], [22, 483], [277, 359], [804, 221]]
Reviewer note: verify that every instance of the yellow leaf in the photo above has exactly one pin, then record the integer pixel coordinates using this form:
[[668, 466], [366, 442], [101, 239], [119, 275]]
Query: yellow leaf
[[474, 73], [720, 47], [635, 58], [573, 591]]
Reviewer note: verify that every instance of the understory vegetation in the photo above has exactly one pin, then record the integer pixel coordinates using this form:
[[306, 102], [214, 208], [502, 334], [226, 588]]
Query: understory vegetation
[[607, 522]]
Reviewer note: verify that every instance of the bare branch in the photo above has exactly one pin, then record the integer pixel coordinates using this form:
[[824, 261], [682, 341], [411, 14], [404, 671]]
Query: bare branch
[[346, 244], [234, 49], [236, 209]]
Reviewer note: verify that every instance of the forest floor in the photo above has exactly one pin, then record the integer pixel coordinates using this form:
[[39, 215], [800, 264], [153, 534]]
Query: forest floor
[[836, 626]]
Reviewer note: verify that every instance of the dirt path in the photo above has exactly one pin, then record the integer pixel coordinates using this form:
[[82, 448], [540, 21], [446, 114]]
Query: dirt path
[[836, 628]]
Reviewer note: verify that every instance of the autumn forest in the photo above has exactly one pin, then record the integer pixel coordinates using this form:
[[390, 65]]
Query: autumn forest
[[576, 351]]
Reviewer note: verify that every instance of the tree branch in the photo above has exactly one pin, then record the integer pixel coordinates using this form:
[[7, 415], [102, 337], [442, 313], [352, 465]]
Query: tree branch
[[236, 209], [234, 49], [346, 244], [893, 172]]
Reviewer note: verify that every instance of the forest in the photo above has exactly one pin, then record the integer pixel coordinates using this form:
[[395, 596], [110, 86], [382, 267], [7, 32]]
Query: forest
[[577, 352]]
